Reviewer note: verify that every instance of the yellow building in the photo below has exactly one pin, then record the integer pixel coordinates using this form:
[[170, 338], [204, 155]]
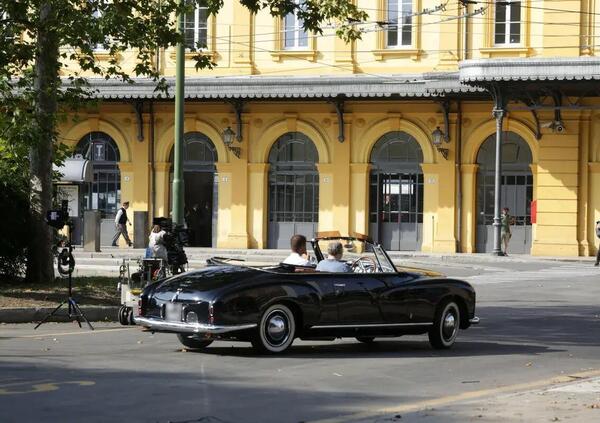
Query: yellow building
[[335, 136]]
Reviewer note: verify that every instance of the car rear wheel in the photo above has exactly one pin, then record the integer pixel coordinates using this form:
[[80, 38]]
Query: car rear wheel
[[192, 342], [445, 326], [276, 329]]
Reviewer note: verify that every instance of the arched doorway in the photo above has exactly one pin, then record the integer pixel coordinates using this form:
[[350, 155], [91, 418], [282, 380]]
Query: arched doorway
[[293, 189], [396, 192], [517, 192], [200, 189], [104, 192]]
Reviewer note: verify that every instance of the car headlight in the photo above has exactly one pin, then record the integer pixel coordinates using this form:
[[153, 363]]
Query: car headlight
[[191, 317]]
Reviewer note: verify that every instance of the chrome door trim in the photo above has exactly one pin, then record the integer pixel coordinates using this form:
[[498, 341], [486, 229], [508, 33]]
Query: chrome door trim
[[370, 325]]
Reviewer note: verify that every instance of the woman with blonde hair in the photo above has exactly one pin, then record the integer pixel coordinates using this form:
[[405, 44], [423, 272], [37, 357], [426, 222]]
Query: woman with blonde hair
[[156, 244]]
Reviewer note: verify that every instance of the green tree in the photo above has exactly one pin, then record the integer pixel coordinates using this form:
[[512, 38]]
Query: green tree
[[46, 46]]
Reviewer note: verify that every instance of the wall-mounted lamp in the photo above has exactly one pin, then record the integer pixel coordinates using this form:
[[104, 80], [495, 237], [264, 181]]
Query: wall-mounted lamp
[[437, 138], [228, 137]]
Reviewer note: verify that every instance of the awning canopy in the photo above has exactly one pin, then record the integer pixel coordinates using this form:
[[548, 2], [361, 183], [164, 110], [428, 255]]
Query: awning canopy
[[430, 85], [75, 170], [534, 77]]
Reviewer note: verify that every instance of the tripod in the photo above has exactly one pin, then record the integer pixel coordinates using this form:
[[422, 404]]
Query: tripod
[[74, 311]]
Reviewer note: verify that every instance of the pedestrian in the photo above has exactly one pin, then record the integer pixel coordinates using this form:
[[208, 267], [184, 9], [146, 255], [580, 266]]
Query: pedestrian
[[121, 221], [505, 222], [598, 235]]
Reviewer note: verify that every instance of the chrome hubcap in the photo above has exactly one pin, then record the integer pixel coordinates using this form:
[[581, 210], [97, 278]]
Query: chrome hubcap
[[276, 328], [449, 326]]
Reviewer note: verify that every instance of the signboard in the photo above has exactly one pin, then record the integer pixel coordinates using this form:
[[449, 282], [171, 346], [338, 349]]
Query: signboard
[[71, 194]]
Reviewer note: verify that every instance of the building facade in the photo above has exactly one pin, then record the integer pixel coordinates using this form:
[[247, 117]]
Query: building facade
[[336, 136]]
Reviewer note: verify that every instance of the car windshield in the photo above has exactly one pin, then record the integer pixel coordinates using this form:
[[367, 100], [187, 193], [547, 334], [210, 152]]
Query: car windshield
[[362, 255]]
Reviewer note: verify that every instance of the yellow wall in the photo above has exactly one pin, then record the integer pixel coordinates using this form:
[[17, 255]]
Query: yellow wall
[[566, 166]]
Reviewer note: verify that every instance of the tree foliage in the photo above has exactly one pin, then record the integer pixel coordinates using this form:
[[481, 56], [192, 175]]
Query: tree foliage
[[49, 47]]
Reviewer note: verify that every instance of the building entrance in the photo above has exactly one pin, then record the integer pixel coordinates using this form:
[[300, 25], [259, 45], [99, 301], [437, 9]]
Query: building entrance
[[200, 189], [293, 189], [516, 192], [396, 192], [104, 192]]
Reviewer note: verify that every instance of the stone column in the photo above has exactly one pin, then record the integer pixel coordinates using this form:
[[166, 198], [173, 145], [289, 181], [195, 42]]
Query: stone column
[[258, 204], [327, 218], [360, 191], [162, 188], [469, 207], [438, 207]]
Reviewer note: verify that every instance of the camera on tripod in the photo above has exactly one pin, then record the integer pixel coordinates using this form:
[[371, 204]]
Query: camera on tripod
[[59, 218], [176, 237]]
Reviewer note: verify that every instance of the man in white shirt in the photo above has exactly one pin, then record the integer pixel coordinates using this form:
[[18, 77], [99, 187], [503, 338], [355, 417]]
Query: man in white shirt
[[121, 221], [298, 256]]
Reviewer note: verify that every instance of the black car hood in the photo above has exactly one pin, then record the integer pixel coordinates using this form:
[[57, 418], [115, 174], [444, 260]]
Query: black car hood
[[208, 279], [420, 271]]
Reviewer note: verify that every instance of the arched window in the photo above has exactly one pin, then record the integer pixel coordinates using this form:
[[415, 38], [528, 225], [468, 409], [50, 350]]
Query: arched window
[[104, 193], [516, 191], [200, 188], [396, 192], [293, 189]]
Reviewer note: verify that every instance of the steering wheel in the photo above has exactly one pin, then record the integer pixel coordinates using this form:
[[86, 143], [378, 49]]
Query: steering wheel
[[364, 264]]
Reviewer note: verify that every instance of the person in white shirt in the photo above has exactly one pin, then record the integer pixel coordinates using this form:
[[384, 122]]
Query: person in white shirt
[[121, 221], [156, 243], [298, 256]]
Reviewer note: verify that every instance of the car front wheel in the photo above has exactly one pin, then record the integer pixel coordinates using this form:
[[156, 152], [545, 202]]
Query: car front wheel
[[192, 342], [445, 326], [276, 329]]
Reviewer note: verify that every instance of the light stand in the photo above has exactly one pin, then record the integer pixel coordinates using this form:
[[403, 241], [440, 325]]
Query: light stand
[[74, 311]]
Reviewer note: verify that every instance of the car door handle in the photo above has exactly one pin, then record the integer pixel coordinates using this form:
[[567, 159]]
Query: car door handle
[[339, 285]]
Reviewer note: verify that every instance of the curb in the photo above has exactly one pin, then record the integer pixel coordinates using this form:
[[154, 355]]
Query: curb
[[29, 315]]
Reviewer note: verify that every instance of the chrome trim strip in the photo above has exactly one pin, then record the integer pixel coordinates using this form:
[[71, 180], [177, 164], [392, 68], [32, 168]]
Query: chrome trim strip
[[179, 327], [474, 320], [370, 325]]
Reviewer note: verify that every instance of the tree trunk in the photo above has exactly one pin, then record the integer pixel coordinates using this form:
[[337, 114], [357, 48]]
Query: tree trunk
[[46, 80]]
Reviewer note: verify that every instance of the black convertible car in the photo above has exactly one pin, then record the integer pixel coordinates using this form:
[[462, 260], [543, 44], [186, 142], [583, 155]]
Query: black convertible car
[[270, 306]]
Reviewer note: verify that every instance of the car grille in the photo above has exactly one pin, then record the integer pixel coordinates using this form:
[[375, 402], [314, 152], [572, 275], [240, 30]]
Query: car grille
[[158, 310]]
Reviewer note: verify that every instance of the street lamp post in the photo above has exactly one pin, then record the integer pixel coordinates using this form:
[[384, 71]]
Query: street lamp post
[[179, 105]]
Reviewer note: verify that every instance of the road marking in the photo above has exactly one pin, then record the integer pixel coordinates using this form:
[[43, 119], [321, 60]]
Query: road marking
[[82, 332], [29, 382], [465, 396], [45, 387]]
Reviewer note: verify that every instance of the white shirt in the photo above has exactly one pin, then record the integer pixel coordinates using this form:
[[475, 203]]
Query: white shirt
[[156, 238], [296, 259]]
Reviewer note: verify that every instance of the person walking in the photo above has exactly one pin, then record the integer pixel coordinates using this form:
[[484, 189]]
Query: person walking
[[598, 235], [121, 221], [505, 222]]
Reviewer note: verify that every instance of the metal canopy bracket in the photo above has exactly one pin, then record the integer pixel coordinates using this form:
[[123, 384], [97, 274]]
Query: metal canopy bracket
[[339, 109], [138, 107]]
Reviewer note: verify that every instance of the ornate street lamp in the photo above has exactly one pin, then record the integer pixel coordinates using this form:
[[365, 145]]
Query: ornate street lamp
[[437, 138], [228, 136]]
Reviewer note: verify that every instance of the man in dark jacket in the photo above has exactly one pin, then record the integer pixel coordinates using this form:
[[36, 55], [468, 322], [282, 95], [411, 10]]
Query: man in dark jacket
[[121, 221]]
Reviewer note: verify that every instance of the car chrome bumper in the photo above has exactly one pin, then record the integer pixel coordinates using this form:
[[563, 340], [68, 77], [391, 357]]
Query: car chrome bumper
[[160, 325], [474, 320]]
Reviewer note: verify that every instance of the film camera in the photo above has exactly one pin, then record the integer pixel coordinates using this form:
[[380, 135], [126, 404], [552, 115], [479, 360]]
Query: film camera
[[175, 239], [58, 218]]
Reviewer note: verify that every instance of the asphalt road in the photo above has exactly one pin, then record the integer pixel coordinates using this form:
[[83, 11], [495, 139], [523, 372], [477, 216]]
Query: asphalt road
[[538, 321]]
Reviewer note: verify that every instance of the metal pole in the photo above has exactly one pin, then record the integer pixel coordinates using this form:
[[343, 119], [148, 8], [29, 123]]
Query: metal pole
[[498, 113], [178, 147]]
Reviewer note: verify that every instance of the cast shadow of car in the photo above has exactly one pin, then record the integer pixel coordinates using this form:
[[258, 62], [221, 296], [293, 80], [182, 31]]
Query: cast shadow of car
[[382, 348]]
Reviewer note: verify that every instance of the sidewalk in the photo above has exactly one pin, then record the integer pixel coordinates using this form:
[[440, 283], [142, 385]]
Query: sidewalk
[[567, 400], [106, 262]]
